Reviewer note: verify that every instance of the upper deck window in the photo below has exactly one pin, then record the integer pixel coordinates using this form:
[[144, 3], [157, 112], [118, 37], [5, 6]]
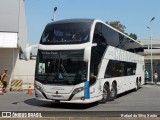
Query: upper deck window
[[66, 33]]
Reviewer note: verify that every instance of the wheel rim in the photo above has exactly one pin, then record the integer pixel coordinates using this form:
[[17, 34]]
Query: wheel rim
[[138, 84], [105, 94], [113, 92]]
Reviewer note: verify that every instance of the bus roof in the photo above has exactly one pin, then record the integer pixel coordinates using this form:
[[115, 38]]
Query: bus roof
[[71, 20], [91, 21]]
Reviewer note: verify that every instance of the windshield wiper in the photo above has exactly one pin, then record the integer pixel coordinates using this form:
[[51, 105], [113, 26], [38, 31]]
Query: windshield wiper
[[64, 70]]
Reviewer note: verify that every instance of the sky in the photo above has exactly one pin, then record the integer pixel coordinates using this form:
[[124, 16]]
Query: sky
[[135, 15]]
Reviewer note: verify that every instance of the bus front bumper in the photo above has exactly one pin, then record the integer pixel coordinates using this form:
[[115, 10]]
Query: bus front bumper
[[44, 97]]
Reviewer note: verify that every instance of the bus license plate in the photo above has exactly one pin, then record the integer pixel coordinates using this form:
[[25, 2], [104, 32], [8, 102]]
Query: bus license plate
[[57, 97]]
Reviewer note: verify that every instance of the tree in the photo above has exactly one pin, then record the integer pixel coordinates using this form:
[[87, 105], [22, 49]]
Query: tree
[[134, 36], [117, 25]]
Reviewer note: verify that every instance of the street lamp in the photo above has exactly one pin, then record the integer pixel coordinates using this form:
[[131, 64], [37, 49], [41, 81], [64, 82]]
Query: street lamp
[[149, 39], [55, 8], [150, 27]]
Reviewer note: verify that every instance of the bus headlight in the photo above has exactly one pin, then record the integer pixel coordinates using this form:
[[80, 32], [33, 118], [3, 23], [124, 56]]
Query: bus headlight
[[77, 90], [39, 88]]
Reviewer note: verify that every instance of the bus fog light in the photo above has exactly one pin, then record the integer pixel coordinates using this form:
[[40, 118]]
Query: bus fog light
[[36, 95], [82, 98]]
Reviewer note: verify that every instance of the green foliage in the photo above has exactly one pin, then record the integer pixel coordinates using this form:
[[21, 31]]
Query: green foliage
[[117, 25], [134, 36]]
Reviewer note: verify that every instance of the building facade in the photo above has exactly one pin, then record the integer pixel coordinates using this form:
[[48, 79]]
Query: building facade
[[155, 55], [13, 39]]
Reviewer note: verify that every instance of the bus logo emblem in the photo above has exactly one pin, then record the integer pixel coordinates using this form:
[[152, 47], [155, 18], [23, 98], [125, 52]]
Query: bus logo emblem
[[60, 76]]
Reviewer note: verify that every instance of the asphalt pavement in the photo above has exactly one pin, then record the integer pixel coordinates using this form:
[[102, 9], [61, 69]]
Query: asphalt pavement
[[145, 100]]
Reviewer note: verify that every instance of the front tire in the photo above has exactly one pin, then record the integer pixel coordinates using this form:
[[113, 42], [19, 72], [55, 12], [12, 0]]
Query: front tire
[[106, 94]]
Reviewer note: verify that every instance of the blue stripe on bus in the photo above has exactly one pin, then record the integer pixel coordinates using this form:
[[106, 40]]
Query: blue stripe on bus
[[86, 91]]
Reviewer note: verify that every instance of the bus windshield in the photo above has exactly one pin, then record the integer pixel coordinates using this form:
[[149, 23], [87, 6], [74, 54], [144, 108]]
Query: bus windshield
[[61, 67], [66, 33]]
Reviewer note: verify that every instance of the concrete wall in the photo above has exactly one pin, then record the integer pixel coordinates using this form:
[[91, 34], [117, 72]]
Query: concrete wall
[[155, 55], [24, 70]]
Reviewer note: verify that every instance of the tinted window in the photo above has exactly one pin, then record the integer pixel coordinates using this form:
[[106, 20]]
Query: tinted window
[[119, 69], [97, 51], [110, 35], [116, 39], [66, 33], [61, 67]]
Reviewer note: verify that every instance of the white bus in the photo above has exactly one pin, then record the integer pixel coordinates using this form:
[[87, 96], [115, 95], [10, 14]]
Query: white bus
[[86, 60]]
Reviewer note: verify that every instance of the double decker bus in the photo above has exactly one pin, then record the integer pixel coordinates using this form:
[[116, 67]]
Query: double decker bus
[[86, 60]]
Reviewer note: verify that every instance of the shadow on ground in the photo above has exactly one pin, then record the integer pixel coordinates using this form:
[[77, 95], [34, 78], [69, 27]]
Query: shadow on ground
[[50, 104], [46, 104]]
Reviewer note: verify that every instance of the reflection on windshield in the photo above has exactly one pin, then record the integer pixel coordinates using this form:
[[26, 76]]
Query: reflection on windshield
[[61, 67], [66, 33]]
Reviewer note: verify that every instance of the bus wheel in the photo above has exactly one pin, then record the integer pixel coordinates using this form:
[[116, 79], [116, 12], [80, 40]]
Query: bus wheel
[[138, 83], [106, 94], [113, 92]]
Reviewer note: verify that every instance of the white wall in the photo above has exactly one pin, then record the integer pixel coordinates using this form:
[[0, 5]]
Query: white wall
[[24, 70], [9, 11], [8, 40]]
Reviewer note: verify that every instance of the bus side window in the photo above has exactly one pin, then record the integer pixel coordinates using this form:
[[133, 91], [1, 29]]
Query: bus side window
[[99, 39]]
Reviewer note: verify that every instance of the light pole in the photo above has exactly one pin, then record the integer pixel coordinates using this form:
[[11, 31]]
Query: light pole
[[149, 39], [150, 27], [55, 8]]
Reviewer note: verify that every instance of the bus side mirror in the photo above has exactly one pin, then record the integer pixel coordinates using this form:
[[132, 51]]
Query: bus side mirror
[[28, 51], [87, 52]]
